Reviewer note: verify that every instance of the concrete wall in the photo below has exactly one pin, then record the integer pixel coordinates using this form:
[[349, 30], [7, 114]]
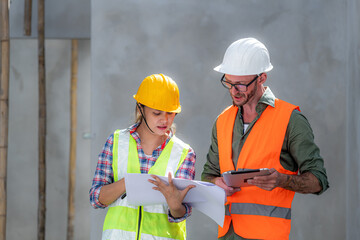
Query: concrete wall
[[314, 47], [63, 19], [308, 43], [22, 177], [352, 144]]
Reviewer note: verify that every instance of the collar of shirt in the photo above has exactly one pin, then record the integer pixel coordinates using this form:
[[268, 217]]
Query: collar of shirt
[[268, 98]]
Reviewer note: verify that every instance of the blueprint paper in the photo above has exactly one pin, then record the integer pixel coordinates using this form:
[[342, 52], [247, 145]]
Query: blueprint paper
[[205, 197]]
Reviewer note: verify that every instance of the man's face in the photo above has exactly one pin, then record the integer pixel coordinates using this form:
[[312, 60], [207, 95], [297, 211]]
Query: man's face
[[241, 98]]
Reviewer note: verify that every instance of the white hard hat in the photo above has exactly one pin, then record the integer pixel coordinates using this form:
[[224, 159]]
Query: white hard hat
[[246, 56]]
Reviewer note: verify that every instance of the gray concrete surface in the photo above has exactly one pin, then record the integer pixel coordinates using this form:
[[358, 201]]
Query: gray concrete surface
[[63, 19], [22, 180], [352, 143], [314, 47], [307, 41]]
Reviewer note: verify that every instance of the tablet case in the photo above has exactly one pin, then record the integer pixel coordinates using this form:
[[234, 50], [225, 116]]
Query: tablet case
[[239, 178]]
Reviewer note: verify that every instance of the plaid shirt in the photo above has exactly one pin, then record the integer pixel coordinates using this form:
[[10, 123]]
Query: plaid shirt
[[104, 172]]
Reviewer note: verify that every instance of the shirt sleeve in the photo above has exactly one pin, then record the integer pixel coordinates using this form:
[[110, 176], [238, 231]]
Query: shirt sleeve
[[301, 146], [103, 173], [212, 167], [185, 171]]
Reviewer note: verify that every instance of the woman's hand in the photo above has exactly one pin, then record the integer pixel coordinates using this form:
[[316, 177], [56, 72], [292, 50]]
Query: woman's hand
[[110, 192], [173, 196]]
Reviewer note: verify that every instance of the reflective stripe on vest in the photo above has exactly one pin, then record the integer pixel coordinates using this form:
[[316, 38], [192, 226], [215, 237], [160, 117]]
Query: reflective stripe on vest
[[257, 213], [124, 221], [261, 210]]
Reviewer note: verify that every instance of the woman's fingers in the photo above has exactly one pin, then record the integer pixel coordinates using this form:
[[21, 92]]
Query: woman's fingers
[[160, 185], [170, 178], [186, 190], [169, 189]]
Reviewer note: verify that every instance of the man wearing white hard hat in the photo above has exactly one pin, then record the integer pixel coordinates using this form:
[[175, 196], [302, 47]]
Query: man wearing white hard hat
[[260, 131]]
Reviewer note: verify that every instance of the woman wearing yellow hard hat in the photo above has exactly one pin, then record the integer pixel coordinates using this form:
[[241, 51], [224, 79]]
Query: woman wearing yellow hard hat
[[149, 146]]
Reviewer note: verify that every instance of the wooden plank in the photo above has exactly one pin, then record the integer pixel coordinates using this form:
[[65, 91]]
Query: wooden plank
[[27, 17], [4, 111], [42, 121], [4, 25], [73, 135]]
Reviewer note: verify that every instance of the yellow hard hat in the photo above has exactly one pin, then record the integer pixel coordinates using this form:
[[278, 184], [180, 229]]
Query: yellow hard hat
[[159, 92]]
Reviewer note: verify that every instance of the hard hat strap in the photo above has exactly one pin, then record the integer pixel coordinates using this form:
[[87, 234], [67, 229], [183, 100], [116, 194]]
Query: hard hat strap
[[142, 114]]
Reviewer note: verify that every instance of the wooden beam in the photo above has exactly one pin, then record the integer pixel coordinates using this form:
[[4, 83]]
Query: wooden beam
[[73, 128], [4, 20], [42, 121], [4, 111], [27, 17], [4, 119]]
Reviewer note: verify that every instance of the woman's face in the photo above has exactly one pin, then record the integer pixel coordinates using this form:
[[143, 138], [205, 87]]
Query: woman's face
[[158, 121]]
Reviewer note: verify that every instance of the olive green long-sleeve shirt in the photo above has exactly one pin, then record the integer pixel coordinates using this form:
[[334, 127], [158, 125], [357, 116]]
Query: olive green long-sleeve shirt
[[299, 151]]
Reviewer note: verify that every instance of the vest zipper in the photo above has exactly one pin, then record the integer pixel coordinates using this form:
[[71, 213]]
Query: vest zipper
[[139, 223]]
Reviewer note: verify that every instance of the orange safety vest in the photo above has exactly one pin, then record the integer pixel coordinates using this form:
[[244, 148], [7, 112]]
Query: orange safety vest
[[257, 213]]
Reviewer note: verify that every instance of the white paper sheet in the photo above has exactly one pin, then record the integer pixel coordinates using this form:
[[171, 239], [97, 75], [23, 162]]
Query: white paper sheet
[[205, 197]]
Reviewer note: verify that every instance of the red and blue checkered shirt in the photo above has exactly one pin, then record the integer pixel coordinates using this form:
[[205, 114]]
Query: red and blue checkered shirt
[[104, 172]]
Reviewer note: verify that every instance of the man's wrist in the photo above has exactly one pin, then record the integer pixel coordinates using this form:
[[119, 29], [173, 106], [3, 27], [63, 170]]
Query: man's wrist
[[284, 180]]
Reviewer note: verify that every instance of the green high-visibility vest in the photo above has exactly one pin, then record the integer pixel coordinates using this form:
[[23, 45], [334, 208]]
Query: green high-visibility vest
[[124, 221]]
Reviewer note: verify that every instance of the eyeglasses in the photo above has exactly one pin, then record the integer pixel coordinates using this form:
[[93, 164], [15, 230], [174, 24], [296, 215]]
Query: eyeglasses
[[239, 87]]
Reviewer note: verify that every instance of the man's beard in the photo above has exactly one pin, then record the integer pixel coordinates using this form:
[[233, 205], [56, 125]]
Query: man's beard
[[249, 96]]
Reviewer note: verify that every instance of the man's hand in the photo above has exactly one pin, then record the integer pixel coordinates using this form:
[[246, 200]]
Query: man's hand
[[304, 183], [219, 181], [267, 182]]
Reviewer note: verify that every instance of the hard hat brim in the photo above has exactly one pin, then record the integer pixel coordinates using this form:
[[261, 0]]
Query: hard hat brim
[[177, 110], [220, 69]]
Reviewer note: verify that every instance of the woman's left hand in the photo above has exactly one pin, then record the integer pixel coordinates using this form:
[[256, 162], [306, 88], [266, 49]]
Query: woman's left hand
[[173, 196]]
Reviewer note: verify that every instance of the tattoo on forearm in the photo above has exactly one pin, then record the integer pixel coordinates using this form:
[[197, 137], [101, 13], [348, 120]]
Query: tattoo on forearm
[[305, 183]]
